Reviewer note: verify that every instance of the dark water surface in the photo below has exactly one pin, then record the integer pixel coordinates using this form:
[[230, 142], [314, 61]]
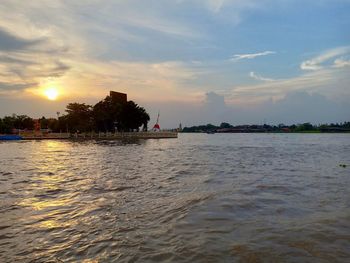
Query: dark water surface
[[198, 198]]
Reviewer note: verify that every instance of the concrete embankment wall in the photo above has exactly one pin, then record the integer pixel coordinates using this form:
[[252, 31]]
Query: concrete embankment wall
[[42, 136], [102, 136]]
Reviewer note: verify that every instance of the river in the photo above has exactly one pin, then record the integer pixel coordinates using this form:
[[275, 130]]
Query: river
[[198, 198]]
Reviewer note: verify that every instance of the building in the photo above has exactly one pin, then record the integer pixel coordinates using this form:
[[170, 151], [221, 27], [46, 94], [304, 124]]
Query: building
[[119, 97]]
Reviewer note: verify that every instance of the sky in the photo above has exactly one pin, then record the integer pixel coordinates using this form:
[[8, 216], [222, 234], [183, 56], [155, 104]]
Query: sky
[[195, 61]]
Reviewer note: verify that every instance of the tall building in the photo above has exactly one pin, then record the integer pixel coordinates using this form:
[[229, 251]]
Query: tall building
[[119, 97]]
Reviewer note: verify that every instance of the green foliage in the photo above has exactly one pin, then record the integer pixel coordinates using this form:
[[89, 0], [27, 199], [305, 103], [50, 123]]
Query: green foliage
[[21, 122], [79, 117], [305, 128], [132, 117], [107, 116], [201, 128], [44, 123], [225, 125]]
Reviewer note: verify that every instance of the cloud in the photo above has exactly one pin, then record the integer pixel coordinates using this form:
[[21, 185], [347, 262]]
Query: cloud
[[258, 77], [214, 99], [220, 6], [86, 45], [292, 108], [215, 5], [7, 86], [10, 42], [144, 48], [340, 63], [316, 81], [302, 106], [328, 74], [251, 55], [27, 68], [213, 109], [321, 61], [8, 59]]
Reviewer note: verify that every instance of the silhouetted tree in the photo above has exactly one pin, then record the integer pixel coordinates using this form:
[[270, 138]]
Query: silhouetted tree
[[132, 117], [111, 115], [225, 125], [44, 123], [106, 114], [78, 118], [54, 125], [7, 124], [305, 127], [21, 122]]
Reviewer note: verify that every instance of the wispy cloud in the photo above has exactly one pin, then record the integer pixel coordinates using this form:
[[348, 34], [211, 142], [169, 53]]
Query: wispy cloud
[[327, 58], [316, 81], [329, 69], [251, 55], [10, 42], [215, 5], [340, 63], [147, 48], [258, 77]]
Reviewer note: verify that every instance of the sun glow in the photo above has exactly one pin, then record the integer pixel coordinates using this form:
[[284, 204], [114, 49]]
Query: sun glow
[[51, 93]]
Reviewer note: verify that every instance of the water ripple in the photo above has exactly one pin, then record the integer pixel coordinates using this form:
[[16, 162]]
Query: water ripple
[[200, 198]]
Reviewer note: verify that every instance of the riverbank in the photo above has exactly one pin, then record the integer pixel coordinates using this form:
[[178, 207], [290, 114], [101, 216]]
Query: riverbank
[[96, 136], [262, 131], [281, 128]]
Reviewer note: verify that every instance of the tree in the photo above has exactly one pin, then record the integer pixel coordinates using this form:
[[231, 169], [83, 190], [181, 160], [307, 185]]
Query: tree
[[106, 114], [111, 115], [54, 125], [2, 127], [21, 122], [225, 125], [305, 127], [132, 117], [78, 118], [44, 123]]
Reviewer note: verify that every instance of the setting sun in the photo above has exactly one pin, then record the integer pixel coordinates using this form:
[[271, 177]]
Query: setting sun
[[51, 93]]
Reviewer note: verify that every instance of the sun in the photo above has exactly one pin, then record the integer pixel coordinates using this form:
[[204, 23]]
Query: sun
[[51, 93]]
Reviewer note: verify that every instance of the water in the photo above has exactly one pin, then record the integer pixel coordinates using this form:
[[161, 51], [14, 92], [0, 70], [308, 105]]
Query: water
[[198, 198]]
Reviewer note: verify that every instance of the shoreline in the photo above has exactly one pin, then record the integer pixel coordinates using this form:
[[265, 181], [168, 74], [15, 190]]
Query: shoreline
[[92, 136], [274, 132]]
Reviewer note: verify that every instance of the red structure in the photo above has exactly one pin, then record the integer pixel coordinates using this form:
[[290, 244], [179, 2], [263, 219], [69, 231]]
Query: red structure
[[156, 126]]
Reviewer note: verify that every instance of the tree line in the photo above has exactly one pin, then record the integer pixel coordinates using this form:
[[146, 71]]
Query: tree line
[[303, 127], [107, 115]]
